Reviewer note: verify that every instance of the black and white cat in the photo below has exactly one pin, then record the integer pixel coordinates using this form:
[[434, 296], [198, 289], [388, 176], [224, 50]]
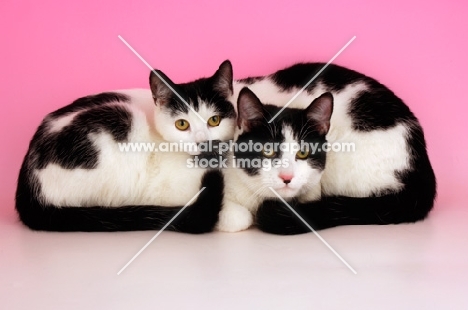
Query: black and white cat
[[76, 178], [386, 178]]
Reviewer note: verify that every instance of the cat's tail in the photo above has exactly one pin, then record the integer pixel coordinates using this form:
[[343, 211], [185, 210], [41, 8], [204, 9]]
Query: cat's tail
[[199, 217], [275, 217], [405, 206]]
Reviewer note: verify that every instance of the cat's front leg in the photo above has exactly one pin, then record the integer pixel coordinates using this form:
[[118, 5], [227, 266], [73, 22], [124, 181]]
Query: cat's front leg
[[233, 217]]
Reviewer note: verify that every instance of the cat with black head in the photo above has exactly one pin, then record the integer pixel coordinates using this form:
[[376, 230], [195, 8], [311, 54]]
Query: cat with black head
[[273, 157], [79, 173]]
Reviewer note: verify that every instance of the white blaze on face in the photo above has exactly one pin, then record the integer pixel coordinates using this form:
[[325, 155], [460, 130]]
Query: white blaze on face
[[294, 175]]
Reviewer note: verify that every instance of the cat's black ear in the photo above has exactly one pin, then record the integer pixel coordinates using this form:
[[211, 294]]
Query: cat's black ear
[[250, 110], [161, 92], [222, 79], [320, 112]]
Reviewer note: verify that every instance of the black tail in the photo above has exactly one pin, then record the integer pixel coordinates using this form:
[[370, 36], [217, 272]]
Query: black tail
[[199, 217], [274, 217]]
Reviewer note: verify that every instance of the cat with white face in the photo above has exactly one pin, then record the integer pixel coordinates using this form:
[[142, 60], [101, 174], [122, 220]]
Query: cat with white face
[[386, 178], [75, 176]]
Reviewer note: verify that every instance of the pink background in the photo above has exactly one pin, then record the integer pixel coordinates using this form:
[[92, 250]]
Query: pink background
[[53, 53]]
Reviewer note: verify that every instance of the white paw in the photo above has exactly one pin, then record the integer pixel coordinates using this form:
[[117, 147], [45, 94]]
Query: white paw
[[234, 218]]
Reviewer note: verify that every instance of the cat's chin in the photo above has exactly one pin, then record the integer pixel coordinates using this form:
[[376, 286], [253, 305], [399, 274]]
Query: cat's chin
[[287, 192]]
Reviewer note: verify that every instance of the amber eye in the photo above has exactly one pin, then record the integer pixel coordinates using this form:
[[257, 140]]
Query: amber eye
[[269, 152], [214, 120], [303, 154], [182, 124]]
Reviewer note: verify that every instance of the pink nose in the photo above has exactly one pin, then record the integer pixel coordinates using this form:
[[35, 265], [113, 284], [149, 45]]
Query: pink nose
[[286, 177]]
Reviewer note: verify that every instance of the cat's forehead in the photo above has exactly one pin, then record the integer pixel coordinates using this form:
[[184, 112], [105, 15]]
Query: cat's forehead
[[204, 109], [290, 125], [288, 134], [202, 106], [202, 98]]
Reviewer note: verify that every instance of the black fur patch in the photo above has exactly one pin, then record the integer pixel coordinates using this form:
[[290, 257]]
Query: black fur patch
[[377, 108], [251, 80], [333, 76], [200, 89], [71, 147]]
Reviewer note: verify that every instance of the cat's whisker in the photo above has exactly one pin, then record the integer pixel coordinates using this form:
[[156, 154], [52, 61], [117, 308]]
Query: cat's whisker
[[256, 193], [305, 131]]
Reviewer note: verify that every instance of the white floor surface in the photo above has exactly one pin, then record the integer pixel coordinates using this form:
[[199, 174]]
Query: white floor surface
[[414, 266]]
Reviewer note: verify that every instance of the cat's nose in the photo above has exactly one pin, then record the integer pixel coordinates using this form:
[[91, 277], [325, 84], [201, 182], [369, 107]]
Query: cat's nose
[[286, 177]]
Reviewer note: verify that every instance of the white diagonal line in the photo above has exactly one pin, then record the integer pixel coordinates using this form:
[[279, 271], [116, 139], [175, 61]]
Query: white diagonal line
[[161, 78], [313, 230], [159, 232], [312, 79]]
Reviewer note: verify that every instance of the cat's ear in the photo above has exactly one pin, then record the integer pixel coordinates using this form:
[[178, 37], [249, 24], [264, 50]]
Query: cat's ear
[[222, 79], [161, 92], [250, 110], [320, 112]]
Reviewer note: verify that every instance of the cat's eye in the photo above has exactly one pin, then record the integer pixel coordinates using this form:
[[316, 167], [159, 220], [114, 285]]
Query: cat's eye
[[268, 152], [302, 154], [214, 120], [182, 124]]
